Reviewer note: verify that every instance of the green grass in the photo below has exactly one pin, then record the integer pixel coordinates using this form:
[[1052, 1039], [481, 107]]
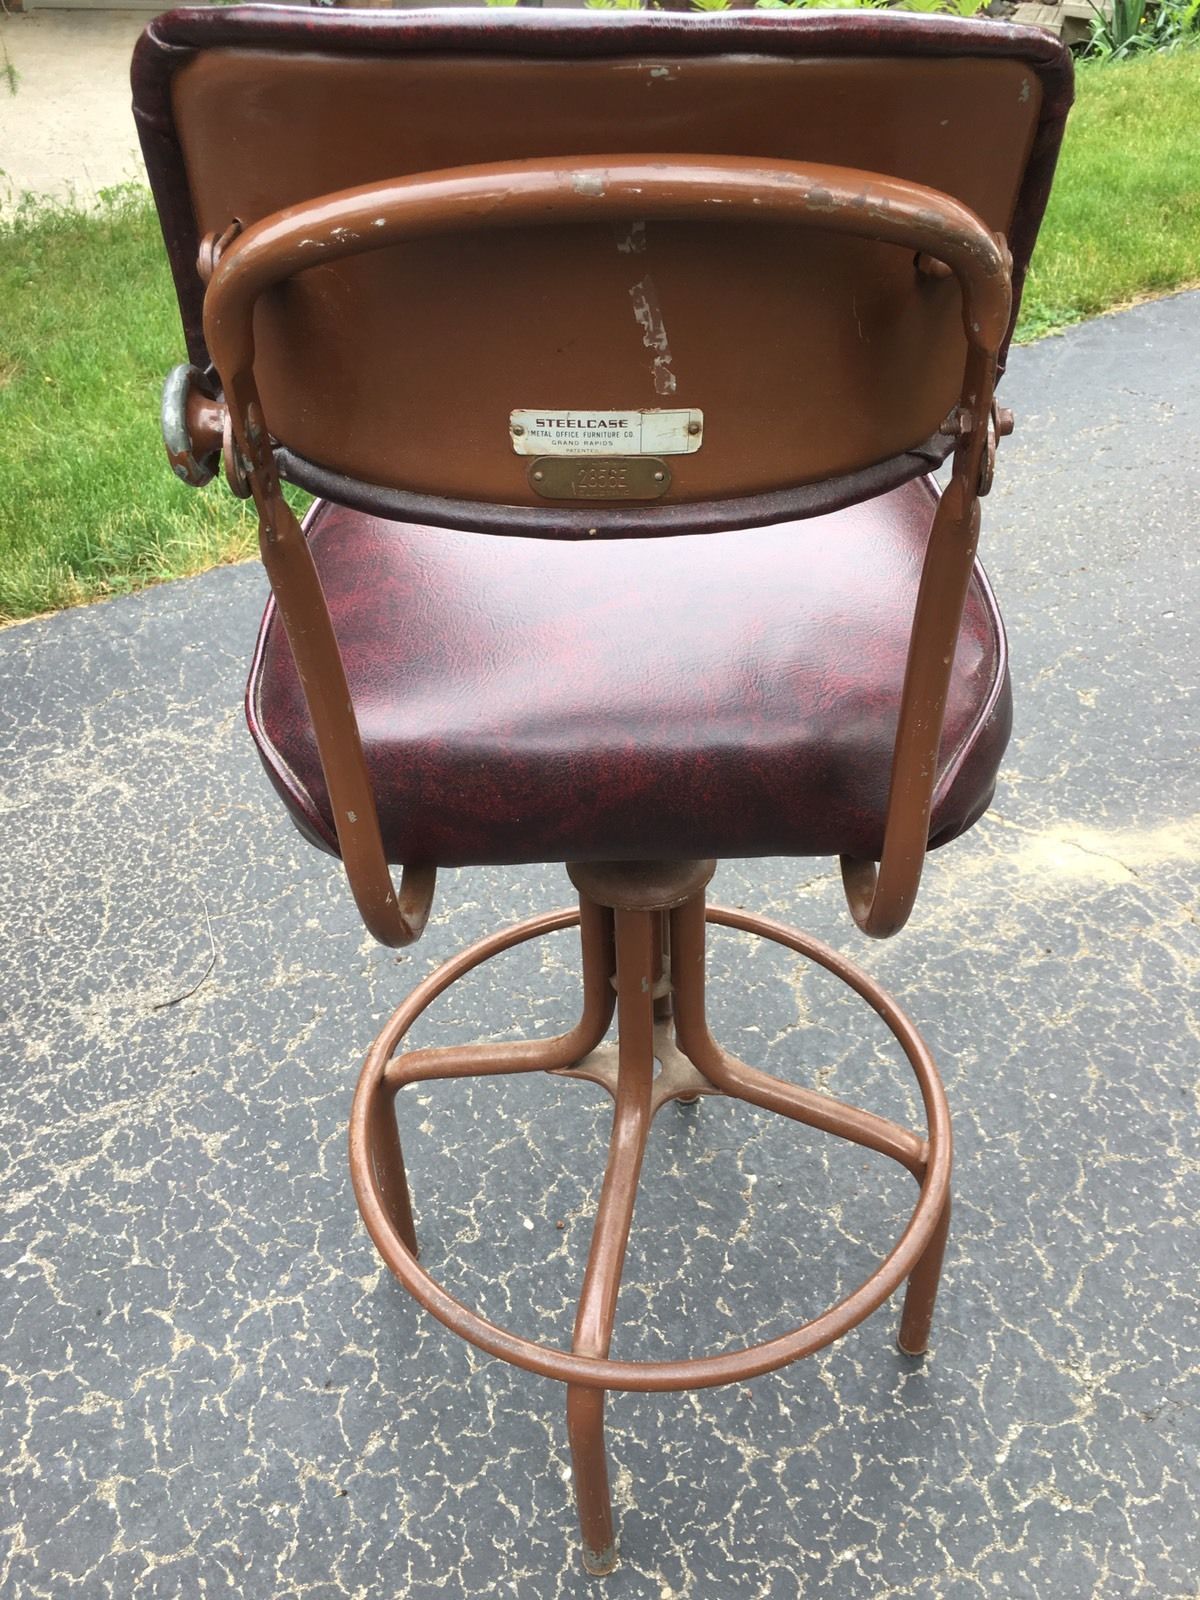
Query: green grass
[[88, 329], [1123, 221]]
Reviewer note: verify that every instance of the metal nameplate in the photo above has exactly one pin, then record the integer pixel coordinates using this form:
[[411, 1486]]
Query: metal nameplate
[[593, 478], [632, 432]]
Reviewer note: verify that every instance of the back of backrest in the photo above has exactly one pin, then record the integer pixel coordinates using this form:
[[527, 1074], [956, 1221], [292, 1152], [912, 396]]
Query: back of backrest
[[754, 360]]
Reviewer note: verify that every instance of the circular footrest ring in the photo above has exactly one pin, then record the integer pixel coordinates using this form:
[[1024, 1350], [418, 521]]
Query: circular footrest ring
[[700, 1372]]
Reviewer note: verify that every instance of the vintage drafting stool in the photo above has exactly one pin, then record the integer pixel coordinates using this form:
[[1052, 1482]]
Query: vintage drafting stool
[[619, 350]]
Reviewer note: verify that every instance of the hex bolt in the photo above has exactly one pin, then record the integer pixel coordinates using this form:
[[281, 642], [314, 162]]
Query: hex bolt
[[960, 423]]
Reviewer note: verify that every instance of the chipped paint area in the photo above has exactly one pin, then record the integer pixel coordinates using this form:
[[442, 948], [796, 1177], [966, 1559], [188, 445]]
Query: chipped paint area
[[631, 240], [588, 183], [647, 313]]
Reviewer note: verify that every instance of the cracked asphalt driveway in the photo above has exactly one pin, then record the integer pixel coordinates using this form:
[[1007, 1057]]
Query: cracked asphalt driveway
[[210, 1387]]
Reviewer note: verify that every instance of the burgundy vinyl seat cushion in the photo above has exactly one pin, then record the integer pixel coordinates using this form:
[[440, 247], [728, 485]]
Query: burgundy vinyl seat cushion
[[729, 694]]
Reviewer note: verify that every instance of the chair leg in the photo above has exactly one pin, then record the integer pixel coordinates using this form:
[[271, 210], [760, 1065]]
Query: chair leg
[[921, 1294], [638, 938]]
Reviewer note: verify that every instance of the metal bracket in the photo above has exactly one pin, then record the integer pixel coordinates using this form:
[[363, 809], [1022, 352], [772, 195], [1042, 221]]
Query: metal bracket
[[237, 468], [212, 246], [1000, 425], [960, 424]]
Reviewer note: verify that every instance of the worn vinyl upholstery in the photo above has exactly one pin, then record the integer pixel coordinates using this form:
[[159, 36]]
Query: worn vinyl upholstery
[[728, 695]]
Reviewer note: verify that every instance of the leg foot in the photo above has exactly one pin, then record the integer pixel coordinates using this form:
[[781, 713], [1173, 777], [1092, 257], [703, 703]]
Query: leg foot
[[589, 1466], [601, 1563]]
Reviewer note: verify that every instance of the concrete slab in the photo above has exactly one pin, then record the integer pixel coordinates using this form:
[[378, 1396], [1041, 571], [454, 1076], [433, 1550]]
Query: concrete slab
[[68, 130], [211, 1387]]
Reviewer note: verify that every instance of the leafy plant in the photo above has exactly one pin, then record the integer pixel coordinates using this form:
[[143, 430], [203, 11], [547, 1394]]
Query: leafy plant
[[958, 8], [1134, 26], [1119, 32]]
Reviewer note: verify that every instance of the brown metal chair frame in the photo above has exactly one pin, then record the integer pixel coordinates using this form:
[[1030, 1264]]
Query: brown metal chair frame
[[642, 926]]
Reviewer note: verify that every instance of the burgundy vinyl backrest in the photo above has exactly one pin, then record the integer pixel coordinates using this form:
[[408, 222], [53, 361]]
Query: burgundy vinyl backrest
[[811, 368]]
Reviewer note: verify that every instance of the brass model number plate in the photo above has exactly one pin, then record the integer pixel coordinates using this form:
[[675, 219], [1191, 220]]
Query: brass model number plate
[[600, 477]]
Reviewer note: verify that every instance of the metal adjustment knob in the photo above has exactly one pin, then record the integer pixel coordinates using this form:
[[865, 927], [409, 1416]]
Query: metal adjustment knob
[[192, 425]]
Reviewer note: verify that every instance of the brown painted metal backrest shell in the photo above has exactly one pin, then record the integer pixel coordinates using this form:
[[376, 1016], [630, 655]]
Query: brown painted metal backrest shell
[[812, 357]]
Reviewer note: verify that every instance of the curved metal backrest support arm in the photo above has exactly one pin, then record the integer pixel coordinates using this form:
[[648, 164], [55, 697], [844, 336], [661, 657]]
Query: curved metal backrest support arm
[[394, 917], [683, 188], [676, 188], [881, 898]]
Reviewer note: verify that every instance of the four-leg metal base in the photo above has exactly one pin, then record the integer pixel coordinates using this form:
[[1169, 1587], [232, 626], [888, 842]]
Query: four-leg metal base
[[643, 945]]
